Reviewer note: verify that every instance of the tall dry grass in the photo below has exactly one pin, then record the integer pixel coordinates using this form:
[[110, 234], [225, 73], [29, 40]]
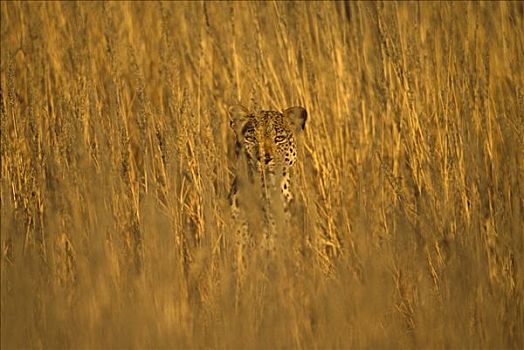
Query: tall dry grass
[[117, 158]]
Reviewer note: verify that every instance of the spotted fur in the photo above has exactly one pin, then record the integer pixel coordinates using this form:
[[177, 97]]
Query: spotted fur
[[266, 142]]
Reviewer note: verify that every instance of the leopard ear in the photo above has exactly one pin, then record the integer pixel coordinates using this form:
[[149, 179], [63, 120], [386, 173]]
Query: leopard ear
[[298, 115], [238, 117]]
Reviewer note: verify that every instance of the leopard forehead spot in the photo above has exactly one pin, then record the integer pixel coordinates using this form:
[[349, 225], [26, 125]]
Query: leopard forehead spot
[[268, 123]]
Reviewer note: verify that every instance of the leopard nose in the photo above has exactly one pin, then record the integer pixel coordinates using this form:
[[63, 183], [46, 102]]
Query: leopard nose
[[267, 158]]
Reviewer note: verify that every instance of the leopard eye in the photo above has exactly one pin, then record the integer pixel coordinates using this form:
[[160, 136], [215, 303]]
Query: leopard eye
[[280, 138], [249, 138]]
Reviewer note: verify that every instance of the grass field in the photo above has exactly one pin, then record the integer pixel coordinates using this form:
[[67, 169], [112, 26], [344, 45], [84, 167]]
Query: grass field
[[117, 158]]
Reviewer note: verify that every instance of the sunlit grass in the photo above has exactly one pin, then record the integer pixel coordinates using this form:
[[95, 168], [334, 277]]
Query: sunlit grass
[[117, 159]]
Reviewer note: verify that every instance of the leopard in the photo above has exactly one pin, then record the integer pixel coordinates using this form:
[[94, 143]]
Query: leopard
[[266, 153]]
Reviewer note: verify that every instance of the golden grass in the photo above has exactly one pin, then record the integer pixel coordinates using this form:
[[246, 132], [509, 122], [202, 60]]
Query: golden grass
[[117, 158]]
